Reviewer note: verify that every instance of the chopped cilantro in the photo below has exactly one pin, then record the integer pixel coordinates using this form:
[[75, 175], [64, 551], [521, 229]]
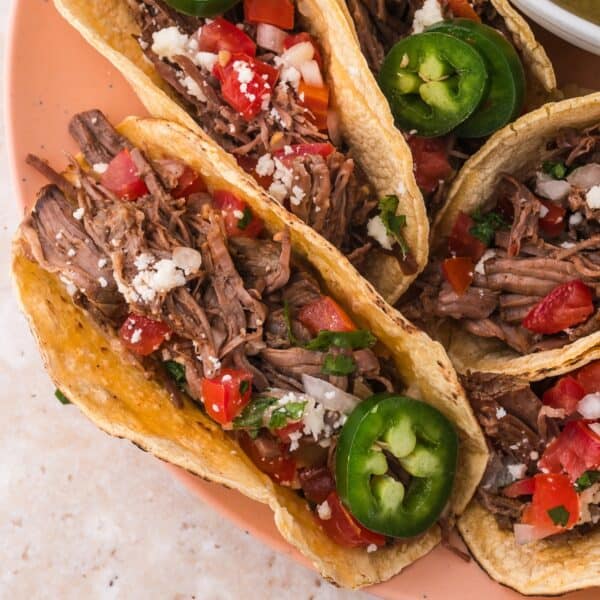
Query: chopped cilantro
[[559, 515], [394, 224], [557, 170], [354, 340], [244, 387], [282, 415], [253, 414], [588, 479], [177, 372], [288, 324], [486, 226], [61, 397], [338, 364], [245, 220]]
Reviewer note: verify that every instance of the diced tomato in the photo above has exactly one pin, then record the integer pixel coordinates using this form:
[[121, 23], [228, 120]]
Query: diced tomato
[[284, 433], [246, 97], [553, 492], [462, 242], [226, 395], [324, 150], [238, 217], [553, 222], [122, 177], [430, 158], [248, 163], [298, 38], [317, 483], [458, 272], [462, 9], [277, 464], [143, 335], [589, 377], [565, 394], [189, 183], [221, 34], [325, 314], [344, 529], [574, 451], [523, 487], [274, 12], [316, 99], [565, 306]]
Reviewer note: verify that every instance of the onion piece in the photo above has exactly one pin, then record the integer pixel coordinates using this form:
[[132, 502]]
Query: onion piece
[[298, 54], [311, 73], [550, 188], [589, 406], [585, 177], [331, 397], [270, 37], [524, 534]]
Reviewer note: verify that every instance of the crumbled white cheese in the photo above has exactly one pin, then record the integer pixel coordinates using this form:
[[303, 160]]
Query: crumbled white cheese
[[102, 263], [543, 211], [429, 14], [289, 76], [153, 278], [283, 179], [500, 412], [517, 471], [324, 511], [226, 378], [238, 214], [295, 436], [480, 266], [592, 197], [376, 229], [169, 42], [100, 168], [278, 191], [215, 362], [371, 548], [313, 419], [71, 252], [143, 261], [136, 336], [78, 214], [533, 455], [215, 407], [193, 88], [265, 166], [575, 219], [59, 235], [102, 281], [187, 259], [245, 73], [567, 245], [297, 195], [206, 60], [71, 287]]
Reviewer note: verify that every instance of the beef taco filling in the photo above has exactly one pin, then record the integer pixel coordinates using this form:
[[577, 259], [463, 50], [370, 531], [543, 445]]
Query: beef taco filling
[[543, 478], [225, 316], [445, 101], [526, 270], [255, 81]]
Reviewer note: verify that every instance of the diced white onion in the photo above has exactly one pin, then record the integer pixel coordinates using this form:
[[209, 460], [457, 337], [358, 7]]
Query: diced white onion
[[298, 54], [331, 397], [585, 177], [270, 37], [524, 534], [589, 406], [311, 73], [550, 188]]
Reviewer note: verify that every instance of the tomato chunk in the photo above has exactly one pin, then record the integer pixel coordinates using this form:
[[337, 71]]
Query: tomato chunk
[[271, 457], [589, 377], [565, 306], [462, 242], [226, 395], [238, 217], [431, 165], [122, 177], [274, 12], [298, 38], [574, 451], [554, 507], [317, 483], [189, 183], [316, 99], [462, 8], [221, 34], [143, 335], [553, 222], [325, 314], [565, 394], [249, 164], [458, 272], [284, 433], [523, 487], [246, 83], [324, 150], [344, 529]]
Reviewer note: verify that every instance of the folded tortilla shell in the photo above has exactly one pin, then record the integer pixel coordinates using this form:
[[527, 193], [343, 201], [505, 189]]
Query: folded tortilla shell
[[99, 376]]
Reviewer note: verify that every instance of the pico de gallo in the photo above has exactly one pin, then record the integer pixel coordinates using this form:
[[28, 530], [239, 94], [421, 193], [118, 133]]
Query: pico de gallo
[[543, 478], [526, 270], [451, 73], [227, 318], [257, 83]]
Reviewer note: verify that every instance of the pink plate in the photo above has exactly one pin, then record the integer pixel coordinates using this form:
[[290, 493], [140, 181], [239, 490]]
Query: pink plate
[[51, 73]]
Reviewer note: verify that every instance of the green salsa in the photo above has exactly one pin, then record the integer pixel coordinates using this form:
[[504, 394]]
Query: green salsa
[[587, 9]]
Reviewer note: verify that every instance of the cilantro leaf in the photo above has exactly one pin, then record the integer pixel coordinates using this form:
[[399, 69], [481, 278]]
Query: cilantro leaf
[[486, 226], [338, 364], [394, 224], [253, 414], [244, 386], [559, 515], [177, 372], [282, 415], [245, 220], [288, 324], [588, 479], [353, 340], [557, 170], [61, 397]]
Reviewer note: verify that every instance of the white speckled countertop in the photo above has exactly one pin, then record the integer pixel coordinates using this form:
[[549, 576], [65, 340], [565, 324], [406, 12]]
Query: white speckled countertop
[[86, 516]]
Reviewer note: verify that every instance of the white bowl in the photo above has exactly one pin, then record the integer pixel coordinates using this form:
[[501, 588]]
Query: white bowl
[[562, 23]]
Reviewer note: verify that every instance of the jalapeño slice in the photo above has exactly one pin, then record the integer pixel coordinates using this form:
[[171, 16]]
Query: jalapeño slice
[[503, 99], [202, 8], [433, 82], [411, 433]]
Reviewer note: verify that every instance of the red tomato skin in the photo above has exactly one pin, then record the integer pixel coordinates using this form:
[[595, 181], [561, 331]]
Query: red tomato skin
[[589, 377], [274, 12], [284, 433], [299, 150], [317, 483], [189, 183], [344, 529], [122, 178], [565, 394], [523, 487], [325, 314], [551, 491], [575, 451], [553, 223], [458, 272], [229, 204], [462, 242], [151, 334], [281, 469], [248, 163], [298, 38], [565, 306], [221, 34], [462, 9], [222, 395], [316, 99], [431, 165]]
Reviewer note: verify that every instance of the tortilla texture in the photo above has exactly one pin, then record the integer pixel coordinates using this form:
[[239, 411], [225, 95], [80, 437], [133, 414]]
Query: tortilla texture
[[365, 119], [98, 375]]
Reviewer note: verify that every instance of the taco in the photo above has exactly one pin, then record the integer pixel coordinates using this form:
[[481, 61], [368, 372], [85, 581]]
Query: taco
[[259, 81], [439, 93], [181, 309], [513, 285], [535, 522]]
